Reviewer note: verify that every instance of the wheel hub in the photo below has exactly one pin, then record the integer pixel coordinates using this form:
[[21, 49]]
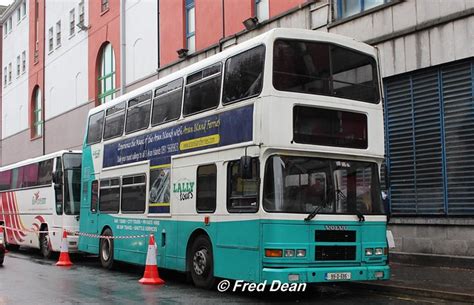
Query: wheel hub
[[200, 261], [106, 250]]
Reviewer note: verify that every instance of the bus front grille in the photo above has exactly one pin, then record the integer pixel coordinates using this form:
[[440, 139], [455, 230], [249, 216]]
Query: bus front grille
[[335, 253], [335, 236]]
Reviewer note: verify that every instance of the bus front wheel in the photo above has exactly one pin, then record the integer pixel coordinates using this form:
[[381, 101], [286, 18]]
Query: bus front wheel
[[202, 263], [45, 245], [106, 250]]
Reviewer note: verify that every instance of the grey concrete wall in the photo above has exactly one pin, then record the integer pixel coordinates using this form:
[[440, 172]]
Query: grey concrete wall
[[20, 147], [67, 130], [437, 239], [62, 132]]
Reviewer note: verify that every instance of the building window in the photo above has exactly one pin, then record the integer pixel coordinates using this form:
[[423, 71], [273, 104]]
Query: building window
[[58, 34], [262, 10], [5, 29], [23, 9], [346, 8], [72, 22], [18, 65], [9, 25], [23, 62], [50, 39], [37, 114], [5, 76], [81, 12], [190, 26], [105, 5], [107, 74], [9, 72], [18, 15]]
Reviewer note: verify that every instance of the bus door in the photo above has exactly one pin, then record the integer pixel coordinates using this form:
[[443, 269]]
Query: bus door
[[92, 220]]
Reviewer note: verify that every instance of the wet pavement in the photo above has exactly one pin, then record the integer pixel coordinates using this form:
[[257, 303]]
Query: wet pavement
[[26, 278]]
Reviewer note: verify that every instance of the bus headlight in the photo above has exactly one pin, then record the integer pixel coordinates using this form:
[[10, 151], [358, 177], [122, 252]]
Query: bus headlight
[[289, 253], [378, 251], [301, 253], [369, 251]]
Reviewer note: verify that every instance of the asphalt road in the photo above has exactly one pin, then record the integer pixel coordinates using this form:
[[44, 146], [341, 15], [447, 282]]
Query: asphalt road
[[26, 278]]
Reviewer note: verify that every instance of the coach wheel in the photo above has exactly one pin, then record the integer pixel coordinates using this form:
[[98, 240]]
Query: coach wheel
[[45, 245], [202, 263], [106, 250]]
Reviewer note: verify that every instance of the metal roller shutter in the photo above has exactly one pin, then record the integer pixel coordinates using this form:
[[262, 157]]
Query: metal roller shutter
[[430, 141]]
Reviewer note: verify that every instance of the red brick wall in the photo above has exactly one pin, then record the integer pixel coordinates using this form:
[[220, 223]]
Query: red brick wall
[[172, 30], [280, 6], [237, 11], [208, 23]]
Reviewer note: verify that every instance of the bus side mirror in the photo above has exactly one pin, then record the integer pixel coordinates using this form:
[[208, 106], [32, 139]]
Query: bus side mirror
[[58, 177], [246, 167]]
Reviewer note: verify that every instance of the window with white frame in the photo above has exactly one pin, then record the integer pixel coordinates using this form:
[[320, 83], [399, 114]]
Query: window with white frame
[[58, 34], [18, 66], [5, 29], [106, 78], [23, 62], [81, 12], [23, 8], [347, 8], [104, 5], [72, 22], [18, 14], [190, 26], [50, 39], [9, 25], [37, 114], [5, 76], [262, 10], [9, 72]]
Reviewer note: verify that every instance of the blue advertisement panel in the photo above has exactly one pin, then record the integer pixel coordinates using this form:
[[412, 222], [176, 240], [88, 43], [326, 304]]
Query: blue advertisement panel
[[234, 126]]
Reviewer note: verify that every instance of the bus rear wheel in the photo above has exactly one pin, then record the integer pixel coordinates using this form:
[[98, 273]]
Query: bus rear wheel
[[106, 250], [45, 245], [202, 263]]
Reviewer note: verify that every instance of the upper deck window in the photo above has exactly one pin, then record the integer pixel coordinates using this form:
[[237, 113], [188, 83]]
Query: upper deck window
[[138, 113], [243, 77], [203, 90], [114, 121], [94, 131], [324, 69], [167, 102]]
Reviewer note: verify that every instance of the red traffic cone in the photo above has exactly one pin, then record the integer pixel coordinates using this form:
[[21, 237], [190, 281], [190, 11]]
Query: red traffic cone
[[64, 259], [151, 276]]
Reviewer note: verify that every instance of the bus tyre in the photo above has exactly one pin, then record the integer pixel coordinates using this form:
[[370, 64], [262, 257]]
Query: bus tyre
[[45, 245], [7, 245], [202, 263], [106, 250]]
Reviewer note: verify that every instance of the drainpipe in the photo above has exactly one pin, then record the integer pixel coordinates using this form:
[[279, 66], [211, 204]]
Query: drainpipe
[[122, 47]]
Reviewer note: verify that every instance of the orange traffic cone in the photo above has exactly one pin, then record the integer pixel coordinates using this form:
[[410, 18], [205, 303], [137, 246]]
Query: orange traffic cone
[[151, 276], [64, 259]]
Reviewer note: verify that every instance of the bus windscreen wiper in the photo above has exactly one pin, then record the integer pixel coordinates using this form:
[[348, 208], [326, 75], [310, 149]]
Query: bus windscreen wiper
[[313, 213]]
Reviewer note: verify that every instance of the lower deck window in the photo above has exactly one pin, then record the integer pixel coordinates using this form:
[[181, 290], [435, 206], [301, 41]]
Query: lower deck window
[[133, 194], [206, 188], [109, 199]]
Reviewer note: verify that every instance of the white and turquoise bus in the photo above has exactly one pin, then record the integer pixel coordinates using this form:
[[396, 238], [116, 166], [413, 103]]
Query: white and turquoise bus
[[39, 198], [259, 163]]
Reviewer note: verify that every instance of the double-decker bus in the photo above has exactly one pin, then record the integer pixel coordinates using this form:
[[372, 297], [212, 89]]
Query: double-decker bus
[[259, 163], [39, 198]]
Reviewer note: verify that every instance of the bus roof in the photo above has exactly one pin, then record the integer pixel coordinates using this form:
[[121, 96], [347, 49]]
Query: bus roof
[[267, 38], [39, 159]]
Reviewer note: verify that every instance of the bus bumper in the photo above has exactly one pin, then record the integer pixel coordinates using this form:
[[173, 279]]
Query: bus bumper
[[322, 274]]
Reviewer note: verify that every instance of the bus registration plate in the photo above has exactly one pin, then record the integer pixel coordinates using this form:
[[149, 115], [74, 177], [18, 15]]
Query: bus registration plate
[[337, 276]]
